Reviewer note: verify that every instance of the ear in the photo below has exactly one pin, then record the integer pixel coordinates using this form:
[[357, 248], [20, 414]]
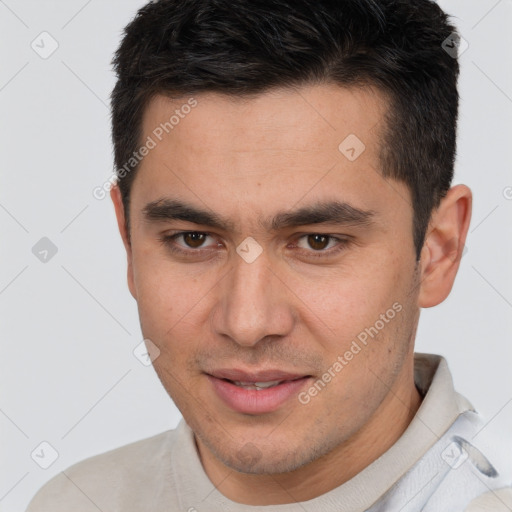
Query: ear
[[115, 195], [444, 245]]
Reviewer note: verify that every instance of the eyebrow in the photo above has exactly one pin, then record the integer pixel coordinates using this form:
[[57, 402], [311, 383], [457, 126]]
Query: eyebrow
[[326, 212]]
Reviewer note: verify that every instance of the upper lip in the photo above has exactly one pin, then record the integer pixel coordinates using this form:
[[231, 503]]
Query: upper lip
[[256, 376]]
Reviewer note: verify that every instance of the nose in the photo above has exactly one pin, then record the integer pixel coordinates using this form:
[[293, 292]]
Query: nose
[[253, 303]]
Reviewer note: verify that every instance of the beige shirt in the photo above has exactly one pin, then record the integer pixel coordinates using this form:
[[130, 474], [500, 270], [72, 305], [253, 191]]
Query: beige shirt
[[164, 472]]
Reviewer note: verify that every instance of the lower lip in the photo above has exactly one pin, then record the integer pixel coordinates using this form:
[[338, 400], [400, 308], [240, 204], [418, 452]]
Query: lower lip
[[252, 401]]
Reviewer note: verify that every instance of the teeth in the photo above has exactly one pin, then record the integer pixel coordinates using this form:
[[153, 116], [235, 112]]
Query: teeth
[[257, 385], [267, 384]]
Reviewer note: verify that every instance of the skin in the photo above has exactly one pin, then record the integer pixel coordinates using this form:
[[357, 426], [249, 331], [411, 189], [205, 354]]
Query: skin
[[246, 160]]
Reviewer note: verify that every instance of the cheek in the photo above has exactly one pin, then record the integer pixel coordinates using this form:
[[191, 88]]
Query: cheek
[[165, 293], [172, 305], [349, 301]]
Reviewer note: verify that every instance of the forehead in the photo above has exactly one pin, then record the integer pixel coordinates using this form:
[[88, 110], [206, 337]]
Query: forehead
[[280, 119], [265, 152]]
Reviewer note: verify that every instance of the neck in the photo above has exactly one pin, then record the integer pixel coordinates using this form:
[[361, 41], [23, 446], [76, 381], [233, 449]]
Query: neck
[[385, 427]]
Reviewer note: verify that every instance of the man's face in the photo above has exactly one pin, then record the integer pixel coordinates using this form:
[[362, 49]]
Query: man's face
[[265, 295]]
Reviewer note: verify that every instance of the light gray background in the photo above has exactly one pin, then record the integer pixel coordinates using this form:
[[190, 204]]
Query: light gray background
[[69, 325]]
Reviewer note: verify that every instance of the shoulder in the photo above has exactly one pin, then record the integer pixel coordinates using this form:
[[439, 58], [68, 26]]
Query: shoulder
[[499, 500], [107, 480]]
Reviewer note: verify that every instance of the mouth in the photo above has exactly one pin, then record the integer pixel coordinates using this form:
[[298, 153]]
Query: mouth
[[258, 386], [256, 392]]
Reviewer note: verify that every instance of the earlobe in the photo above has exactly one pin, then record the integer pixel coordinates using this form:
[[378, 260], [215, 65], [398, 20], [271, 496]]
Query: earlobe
[[444, 245], [115, 195]]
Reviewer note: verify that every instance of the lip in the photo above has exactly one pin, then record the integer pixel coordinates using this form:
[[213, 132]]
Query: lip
[[258, 376], [252, 401]]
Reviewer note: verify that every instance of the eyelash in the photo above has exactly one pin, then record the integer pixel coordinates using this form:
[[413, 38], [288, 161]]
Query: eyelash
[[169, 242]]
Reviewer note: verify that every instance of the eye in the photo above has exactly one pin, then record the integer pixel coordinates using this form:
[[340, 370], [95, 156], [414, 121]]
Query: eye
[[314, 244], [319, 242], [193, 240]]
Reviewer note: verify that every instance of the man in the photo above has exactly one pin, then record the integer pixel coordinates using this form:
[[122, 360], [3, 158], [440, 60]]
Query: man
[[284, 200]]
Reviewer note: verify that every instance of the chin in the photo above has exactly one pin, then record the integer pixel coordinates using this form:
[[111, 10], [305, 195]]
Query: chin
[[264, 459], [266, 465]]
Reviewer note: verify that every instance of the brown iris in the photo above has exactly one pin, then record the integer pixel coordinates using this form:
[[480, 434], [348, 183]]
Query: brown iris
[[194, 239], [318, 242]]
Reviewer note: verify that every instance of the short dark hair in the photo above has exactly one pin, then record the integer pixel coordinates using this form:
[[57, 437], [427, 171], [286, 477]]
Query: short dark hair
[[246, 47]]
